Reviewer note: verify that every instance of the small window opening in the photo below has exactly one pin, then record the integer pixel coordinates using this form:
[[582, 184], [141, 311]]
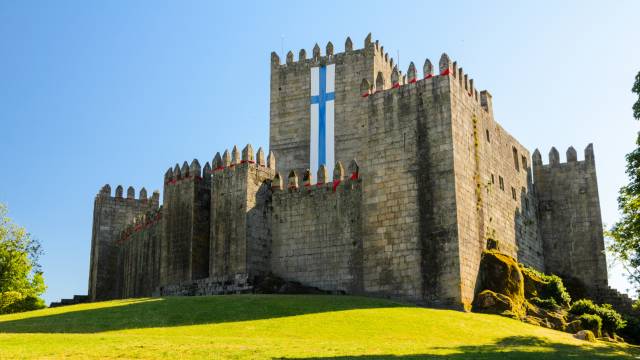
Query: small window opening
[[516, 163], [488, 136], [513, 193], [501, 181], [493, 179]]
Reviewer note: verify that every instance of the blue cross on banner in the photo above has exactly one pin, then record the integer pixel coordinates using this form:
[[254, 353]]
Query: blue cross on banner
[[322, 118]]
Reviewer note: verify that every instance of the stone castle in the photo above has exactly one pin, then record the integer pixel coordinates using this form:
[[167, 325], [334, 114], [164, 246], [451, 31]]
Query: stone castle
[[416, 179]]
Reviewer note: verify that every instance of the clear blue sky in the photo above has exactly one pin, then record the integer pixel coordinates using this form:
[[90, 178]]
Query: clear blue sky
[[117, 91]]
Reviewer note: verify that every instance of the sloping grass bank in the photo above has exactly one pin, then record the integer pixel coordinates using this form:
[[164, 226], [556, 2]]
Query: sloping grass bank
[[282, 326]]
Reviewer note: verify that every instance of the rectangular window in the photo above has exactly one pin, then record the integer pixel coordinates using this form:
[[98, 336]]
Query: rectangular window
[[488, 137], [493, 179], [516, 161], [524, 162], [526, 204], [513, 193], [501, 181]]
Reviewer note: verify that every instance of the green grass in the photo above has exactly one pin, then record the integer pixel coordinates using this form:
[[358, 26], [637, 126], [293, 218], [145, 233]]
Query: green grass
[[291, 327]]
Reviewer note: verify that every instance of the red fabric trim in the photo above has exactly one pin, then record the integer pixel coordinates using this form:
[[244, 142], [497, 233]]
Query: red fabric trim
[[219, 168], [319, 184], [413, 80], [429, 76], [307, 184], [446, 72], [354, 176], [335, 184], [366, 94], [396, 85], [247, 161]]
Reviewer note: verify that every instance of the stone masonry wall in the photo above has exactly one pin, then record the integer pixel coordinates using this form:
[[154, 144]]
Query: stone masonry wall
[[140, 256], [240, 215], [569, 213], [290, 101], [317, 236], [185, 247], [494, 191], [110, 216]]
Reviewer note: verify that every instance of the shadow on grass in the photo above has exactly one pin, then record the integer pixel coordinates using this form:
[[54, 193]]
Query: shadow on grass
[[513, 347], [181, 311]]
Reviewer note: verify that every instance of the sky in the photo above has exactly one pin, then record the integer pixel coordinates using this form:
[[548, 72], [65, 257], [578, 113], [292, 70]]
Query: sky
[[117, 91]]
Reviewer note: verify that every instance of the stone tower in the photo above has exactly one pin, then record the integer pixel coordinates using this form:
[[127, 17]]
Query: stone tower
[[110, 216], [570, 221]]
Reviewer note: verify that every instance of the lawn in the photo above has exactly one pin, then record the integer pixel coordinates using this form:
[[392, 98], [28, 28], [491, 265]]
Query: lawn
[[282, 327]]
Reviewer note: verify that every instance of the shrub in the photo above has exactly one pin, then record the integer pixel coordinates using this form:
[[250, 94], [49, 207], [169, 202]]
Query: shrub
[[631, 332], [592, 323], [549, 304], [13, 301], [589, 336], [611, 320], [545, 286]]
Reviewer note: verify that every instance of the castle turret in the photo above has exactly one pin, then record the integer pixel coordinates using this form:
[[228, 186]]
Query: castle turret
[[110, 215], [569, 216]]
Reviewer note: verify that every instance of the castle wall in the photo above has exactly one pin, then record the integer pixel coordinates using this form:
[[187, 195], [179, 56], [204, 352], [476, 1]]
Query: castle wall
[[494, 192], [409, 237], [110, 216], [317, 236], [240, 217], [185, 247], [140, 248], [570, 221]]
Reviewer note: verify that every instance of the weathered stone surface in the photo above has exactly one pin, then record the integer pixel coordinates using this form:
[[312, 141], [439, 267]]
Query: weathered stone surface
[[438, 181]]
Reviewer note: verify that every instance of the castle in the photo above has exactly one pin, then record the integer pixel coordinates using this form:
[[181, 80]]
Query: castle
[[376, 183]]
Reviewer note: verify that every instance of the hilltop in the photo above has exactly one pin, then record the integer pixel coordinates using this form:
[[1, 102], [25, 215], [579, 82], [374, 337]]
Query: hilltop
[[282, 326]]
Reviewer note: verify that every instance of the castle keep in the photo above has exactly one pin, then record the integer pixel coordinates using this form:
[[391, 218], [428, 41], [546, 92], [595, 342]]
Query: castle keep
[[376, 183]]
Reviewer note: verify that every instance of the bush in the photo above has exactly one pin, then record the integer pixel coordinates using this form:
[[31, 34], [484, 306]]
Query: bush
[[631, 332], [611, 320], [545, 286], [549, 304], [592, 323], [13, 302]]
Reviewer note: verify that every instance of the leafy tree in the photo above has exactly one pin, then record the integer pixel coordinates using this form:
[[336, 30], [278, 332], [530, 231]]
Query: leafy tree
[[21, 281], [626, 232]]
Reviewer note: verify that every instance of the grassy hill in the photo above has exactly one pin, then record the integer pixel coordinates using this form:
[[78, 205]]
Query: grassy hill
[[291, 327]]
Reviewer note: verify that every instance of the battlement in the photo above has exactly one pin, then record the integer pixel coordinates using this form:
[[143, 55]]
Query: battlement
[[445, 68], [105, 193], [229, 161], [329, 55], [323, 183], [571, 157]]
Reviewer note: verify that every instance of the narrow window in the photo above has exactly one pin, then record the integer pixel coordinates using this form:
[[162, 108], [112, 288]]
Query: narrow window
[[524, 162], [513, 193], [526, 204], [488, 136], [501, 181], [493, 179], [516, 163]]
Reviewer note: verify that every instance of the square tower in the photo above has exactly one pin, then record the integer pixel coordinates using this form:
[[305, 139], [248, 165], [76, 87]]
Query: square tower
[[316, 117]]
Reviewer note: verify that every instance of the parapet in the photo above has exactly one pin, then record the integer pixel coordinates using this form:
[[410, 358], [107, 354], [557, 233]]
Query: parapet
[[322, 183], [188, 171], [571, 157], [235, 158], [105, 193], [329, 53], [445, 68]]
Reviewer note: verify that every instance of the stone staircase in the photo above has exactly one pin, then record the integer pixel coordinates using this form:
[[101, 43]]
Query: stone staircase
[[77, 299], [622, 303]]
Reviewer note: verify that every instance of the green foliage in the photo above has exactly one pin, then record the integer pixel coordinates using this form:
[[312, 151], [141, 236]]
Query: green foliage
[[544, 287], [13, 302], [611, 320], [590, 337], [626, 232], [591, 322], [549, 304], [631, 332], [21, 280]]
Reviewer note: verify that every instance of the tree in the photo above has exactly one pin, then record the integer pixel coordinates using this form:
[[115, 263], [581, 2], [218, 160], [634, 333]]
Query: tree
[[626, 232], [21, 280]]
